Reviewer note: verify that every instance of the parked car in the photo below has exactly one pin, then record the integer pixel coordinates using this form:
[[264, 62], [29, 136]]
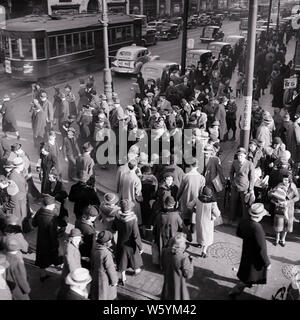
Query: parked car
[[130, 59], [218, 47], [192, 23], [155, 25], [217, 20], [194, 56], [149, 37], [211, 33], [261, 23], [169, 31], [235, 40], [158, 71], [178, 21]]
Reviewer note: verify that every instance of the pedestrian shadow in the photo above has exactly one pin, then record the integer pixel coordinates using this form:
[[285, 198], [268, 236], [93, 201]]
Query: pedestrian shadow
[[286, 260], [148, 265], [205, 285]]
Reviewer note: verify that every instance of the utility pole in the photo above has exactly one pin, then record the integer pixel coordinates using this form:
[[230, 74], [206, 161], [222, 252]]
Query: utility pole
[[278, 15], [184, 35], [246, 116], [269, 18], [107, 78]]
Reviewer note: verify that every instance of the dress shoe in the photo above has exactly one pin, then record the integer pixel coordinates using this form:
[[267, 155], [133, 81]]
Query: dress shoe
[[282, 243]]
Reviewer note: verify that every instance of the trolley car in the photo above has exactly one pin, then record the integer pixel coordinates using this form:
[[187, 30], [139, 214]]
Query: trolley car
[[38, 47]]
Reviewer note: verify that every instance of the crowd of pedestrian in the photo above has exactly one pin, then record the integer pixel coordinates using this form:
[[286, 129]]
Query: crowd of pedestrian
[[173, 198]]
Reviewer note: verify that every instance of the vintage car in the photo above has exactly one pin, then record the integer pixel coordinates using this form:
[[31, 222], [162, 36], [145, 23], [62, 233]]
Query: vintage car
[[235, 40], [169, 31], [204, 20], [178, 21], [149, 37], [192, 22], [130, 59], [158, 71], [219, 47], [194, 56], [155, 25], [211, 33], [217, 20]]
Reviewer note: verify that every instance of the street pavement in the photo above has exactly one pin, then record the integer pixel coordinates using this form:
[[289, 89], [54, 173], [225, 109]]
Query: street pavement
[[213, 276]]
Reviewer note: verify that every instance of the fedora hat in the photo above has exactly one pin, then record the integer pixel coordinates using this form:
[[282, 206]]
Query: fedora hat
[[258, 210], [79, 276], [104, 236], [18, 161], [111, 198], [15, 147], [75, 233], [87, 147], [241, 150]]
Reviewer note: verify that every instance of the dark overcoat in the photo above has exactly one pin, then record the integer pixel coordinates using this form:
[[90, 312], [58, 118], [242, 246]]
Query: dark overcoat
[[104, 274], [47, 238], [9, 122], [254, 260]]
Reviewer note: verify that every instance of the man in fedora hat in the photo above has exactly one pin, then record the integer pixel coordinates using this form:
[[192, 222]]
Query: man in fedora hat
[[84, 162], [72, 256], [47, 107], [77, 280], [242, 176], [9, 122], [16, 275], [254, 261], [108, 210], [103, 270]]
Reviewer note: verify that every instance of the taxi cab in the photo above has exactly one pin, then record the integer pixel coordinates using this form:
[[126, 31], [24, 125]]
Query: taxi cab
[[219, 47], [130, 59]]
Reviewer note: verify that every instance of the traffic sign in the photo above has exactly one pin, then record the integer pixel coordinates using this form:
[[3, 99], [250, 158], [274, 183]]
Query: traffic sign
[[290, 83]]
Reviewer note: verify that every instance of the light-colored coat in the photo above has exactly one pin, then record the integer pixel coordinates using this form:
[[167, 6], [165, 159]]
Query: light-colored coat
[[130, 188], [190, 187], [221, 117], [204, 220], [72, 259]]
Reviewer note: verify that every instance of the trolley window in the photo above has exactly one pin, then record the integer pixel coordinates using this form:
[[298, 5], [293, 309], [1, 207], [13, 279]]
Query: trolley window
[[69, 44], [15, 48], [90, 39], [76, 42], [6, 47], [83, 40], [61, 45], [129, 33], [26, 48], [40, 48], [118, 34], [52, 46]]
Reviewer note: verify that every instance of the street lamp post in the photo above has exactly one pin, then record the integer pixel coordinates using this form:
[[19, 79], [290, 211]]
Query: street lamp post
[[107, 78], [184, 36], [269, 18], [246, 116], [278, 14]]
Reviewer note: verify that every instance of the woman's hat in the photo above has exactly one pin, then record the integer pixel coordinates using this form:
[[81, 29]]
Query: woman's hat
[[241, 150], [15, 147], [79, 276], [75, 233], [4, 264], [104, 236], [90, 211], [12, 220], [130, 108], [111, 198], [126, 205], [258, 210]]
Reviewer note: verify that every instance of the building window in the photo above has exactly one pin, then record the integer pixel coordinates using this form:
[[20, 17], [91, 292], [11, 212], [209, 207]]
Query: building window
[[52, 46]]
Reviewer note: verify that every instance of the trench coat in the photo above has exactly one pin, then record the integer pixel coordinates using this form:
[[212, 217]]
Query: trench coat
[[72, 260], [104, 274], [254, 260], [221, 117], [47, 238], [177, 267], [39, 121], [131, 187], [129, 242], [9, 122], [16, 277], [190, 187]]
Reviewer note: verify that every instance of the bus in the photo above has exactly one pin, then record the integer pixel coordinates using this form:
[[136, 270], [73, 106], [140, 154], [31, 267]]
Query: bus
[[37, 47]]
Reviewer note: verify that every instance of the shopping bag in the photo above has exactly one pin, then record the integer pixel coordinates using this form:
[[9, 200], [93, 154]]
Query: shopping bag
[[155, 253], [217, 183]]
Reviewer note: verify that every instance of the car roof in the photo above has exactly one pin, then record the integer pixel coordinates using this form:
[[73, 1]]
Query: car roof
[[219, 43], [160, 63], [133, 48], [213, 27], [201, 51], [235, 37]]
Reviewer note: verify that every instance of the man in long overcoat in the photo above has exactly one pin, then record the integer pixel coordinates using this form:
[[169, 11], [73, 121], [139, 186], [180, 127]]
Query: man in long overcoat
[[9, 122], [254, 261]]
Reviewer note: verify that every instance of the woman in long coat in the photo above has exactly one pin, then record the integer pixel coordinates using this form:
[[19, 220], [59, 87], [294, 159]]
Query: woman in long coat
[[206, 212], [177, 268], [9, 122], [47, 243], [221, 117], [38, 121], [103, 270], [129, 245]]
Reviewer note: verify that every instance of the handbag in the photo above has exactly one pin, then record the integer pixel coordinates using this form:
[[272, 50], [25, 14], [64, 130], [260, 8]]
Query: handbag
[[217, 183], [155, 253]]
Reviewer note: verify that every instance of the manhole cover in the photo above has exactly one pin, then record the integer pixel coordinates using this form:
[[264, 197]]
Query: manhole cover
[[290, 270], [225, 251]]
